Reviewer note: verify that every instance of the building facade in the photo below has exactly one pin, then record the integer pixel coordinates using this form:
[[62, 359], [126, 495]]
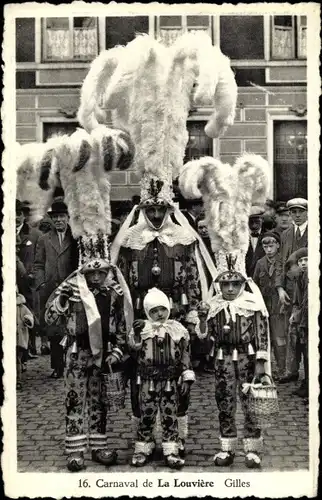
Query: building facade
[[268, 56]]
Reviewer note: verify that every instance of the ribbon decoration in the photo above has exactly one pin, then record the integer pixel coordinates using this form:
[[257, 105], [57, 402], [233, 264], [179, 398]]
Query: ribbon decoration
[[128, 306], [251, 387], [93, 319], [202, 251], [118, 240]]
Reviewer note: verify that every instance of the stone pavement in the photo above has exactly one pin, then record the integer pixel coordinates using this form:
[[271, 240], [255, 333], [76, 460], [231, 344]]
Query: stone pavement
[[40, 438]]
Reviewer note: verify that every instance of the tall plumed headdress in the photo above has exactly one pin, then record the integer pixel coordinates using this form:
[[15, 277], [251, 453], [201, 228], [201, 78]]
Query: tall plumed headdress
[[228, 194], [81, 164], [150, 90]]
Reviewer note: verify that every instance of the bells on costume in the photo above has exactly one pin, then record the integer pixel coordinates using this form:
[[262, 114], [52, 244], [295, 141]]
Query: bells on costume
[[183, 299], [250, 350], [138, 303], [74, 348], [156, 269], [151, 387], [220, 355], [64, 342]]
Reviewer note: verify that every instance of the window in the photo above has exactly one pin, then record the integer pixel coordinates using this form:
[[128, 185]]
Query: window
[[242, 37], [121, 30], [289, 37], [70, 38], [290, 159], [199, 144], [25, 45], [170, 27], [58, 128]]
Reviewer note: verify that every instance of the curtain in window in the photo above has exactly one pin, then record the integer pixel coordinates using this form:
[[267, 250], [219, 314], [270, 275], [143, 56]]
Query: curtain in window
[[168, 36], [302, 41], [283, 42], [85, 43], [57, 44]]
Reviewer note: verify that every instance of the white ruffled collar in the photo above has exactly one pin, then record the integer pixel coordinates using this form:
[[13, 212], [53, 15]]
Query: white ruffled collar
[[154, 329], [170, 234]]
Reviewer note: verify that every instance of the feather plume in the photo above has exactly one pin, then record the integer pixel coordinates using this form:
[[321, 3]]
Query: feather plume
[[252, 187], [224, 97], [182, 74], [214, 181], [37, 175], [82, 194], [94, 85]]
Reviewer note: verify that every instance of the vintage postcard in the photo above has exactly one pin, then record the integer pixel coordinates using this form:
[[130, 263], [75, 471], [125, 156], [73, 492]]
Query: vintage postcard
[[160, 249]]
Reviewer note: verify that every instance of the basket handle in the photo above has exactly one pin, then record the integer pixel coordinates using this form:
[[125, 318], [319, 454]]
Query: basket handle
[[110, 367], [258, 378]]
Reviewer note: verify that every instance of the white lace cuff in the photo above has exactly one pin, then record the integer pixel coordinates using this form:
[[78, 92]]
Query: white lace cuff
[[192, 317], [228, 444], [253, 444], [60, 309], [262, 355], [170, 448], [201, 335], [143, 447], [188, 376]]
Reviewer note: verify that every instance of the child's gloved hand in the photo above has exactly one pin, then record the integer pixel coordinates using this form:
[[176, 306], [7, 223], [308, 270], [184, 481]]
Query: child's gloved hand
[[203, 310]]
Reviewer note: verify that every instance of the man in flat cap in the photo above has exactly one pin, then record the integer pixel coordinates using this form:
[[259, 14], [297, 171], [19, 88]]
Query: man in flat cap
[[292, 239], [255, 250], [283, 218], [56, 258]]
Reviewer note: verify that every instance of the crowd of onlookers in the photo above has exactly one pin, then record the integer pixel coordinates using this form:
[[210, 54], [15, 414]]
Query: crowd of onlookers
[[276, 260]]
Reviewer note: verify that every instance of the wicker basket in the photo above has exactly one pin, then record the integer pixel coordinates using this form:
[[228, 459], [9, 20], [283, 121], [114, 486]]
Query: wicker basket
[[263, 401], [112, 390]]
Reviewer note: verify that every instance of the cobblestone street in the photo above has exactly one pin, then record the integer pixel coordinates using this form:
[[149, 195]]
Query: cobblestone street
[[40, 414]]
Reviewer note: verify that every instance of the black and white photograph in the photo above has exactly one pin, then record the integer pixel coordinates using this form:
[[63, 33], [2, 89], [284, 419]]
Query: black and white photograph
[[160, 249]]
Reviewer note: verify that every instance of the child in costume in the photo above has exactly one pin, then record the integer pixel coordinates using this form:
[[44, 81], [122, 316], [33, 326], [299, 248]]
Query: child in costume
[[25, 321], [93, 309], [164, 371], [264, 277], [238, 325], [93, 303], [235, 319]]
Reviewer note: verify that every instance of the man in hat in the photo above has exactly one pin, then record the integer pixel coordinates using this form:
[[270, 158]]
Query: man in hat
[[193, 211], [265, 277], [91, 304], [255, 250], [283, 218], [26, 238], [238, 326], [292, 239], [56, 257]]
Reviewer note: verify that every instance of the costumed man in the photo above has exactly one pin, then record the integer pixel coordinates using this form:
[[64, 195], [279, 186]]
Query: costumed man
[[150, 90], [164, 372], [235, 319], [94, 302]]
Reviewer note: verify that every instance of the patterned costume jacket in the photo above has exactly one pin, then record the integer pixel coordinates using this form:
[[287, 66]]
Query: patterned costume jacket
[[245, 331], [179, 275], [163, 358], [109, 302]]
